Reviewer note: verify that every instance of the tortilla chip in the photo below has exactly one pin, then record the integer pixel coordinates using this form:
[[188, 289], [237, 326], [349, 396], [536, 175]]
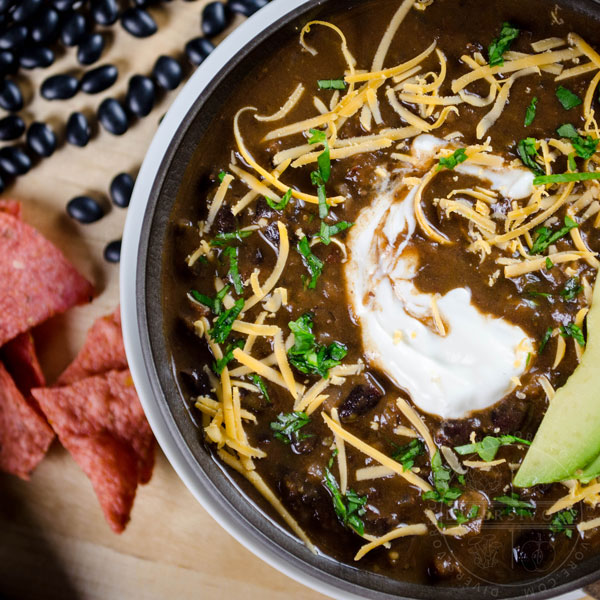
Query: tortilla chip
[[21, 361], [100, 421], [24, 434], [102, 351], [12, 207], [36, 280]]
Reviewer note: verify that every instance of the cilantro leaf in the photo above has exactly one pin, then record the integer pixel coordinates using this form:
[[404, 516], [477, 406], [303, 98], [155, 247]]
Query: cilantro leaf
[[258, 381], [530, 112], [450, 162], [488, 446], [234, 270], [311, 262], [222, 327], [441, 482], [282, 203], [321, 177], [287, 427], [545, 339], [461, 518], [563, 522], [406, 454], [514, 505], [572, 289], [572, 330], [549, 263], [332, 84], [565, 178], [567, 98], [224, 239], [584, 147], [501, 44], [328, 231], [215, 304], [222, 175], [544, 237], [220, 364], [527, 153]]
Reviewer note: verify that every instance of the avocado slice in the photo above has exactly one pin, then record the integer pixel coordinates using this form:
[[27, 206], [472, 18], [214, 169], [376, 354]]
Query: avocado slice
[[569, 436], [590, 472]]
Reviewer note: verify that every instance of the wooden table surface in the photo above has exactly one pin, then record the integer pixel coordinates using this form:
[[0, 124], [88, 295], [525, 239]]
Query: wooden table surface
[[54, 542]]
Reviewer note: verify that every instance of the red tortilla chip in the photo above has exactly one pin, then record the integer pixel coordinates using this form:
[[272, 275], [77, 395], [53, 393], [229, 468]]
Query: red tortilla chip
[[12, 207], [36, 280], [100, 421], [24, 434], [103, 351], [22, 363]]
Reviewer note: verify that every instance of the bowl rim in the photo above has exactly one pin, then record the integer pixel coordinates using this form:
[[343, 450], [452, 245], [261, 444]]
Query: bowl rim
[[133, 314]]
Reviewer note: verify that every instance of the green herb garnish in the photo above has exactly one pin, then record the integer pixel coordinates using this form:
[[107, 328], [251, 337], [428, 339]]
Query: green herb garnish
[[573, 331], [224, 239], [501, 44], [563, 521], [258, 381], [215, 304], [450, 162], [545, 339], [234, 270], [222, 175], [220, 364], [321, 177], [549, 263], [332, 84], [530, 112], [527, 153], [441, 482], [222, 327], [288, 425], [584, 147], [544, 236], [572, 289], [571, 161], [328, 231], [311, 262], [282, 203], [461, 518], [565, 178], [514, 505], [406, 454], [567, 98], [488, 446]]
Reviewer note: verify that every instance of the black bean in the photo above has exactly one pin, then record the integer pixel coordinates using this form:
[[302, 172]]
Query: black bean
[[105, 12], [246, 7], [198, 49], [5, 5], [63, 5], [99, 79], [33, 57], [73, 29], [9, 64], [112, 252], [120, 189], [90, 48], [11, 128], [11, 98], [78, 130], [59, 87], [167, 72], [360, 401], [138, 22], [85, 209], [41, 139], [140, 95], [214, 19], [26, 9], [14, 161], [113, 117], [14, 37], [44, 27]]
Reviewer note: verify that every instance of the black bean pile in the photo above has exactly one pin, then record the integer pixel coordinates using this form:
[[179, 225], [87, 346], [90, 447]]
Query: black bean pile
[[34, 32]]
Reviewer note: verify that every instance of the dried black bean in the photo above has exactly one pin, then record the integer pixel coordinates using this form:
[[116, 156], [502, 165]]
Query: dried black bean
[[64, 5], [59, 87], [99, 79], [41, 139], [138, 22], [11, 98], [90, 48], [360, 401], [26, 9], [167, 72], [246, 7], [73, 29], [11, 128], [140, 95], [214, 19], [112, 252], [33, 57], [5, 5], [198, 49], [9, 64], [14, 161], [113, 117], [105, 12], [14, 37], [44, 27], [121, 188], [78, 130], [85, 209]]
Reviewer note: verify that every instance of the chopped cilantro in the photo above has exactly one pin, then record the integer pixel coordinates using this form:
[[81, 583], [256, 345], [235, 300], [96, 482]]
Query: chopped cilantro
[[282, 203], [348, 507], [571, 162], [567, 98], [584, 147], [215, 304], [527, 153], [514, 505], [309, 357], [321, 177], [222, 327], [501, 44], [222, 176], [258, 381], [311, 262], [328, 231], [563, 522], [332, 84], [545, 340], [549, 263], [535, 294], [406, 454], [224, 239], [220, 364], [234, 270], [528, 360], [544, 237], [573, 331], [461, 518], [287, 427], [441, 482], [572, 289], [488, 446], [450, 162], [530, 112], [565, 178]]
